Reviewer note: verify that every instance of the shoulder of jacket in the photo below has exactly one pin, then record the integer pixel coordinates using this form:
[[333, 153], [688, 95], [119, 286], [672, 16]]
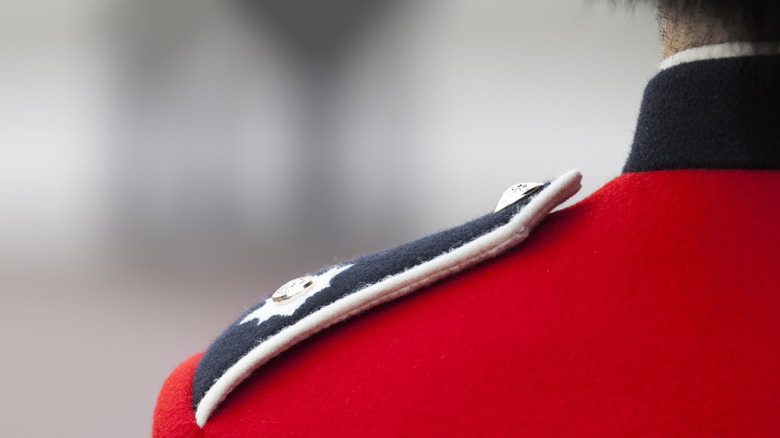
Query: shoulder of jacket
[[309, 304]]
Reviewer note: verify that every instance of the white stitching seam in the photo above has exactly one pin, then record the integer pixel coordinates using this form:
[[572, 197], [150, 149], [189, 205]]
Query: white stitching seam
[[385, 290]]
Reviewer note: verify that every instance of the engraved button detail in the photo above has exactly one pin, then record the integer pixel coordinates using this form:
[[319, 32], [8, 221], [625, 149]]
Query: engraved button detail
[[516, 193], [293, 289]]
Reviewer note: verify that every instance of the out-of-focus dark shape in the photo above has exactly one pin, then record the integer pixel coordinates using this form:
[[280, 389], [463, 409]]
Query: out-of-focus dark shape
[[186, 170], [316, 32], [318, 35]]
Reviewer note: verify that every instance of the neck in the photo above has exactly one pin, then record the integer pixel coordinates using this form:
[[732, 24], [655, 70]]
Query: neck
[[678, 34]]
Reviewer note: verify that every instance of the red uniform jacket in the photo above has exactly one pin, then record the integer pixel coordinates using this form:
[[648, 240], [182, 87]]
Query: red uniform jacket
[[651, 308]]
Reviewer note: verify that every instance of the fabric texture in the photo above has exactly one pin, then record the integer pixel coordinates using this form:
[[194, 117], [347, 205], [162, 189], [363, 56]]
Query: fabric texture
[[173, 415], [638, 312], [362, 283], [711, 114], [650, 308]]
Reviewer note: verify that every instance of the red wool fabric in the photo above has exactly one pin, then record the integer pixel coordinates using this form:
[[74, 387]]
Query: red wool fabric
[[173, 416], [651, 308]]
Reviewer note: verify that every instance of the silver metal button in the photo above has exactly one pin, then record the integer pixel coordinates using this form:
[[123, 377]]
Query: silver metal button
[[293, 289], [516, 193]]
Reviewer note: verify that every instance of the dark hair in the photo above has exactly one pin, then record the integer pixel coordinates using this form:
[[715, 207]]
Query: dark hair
[[752, 19]]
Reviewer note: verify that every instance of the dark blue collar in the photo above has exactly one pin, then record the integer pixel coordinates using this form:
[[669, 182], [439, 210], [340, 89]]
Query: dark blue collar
[[711, 114]]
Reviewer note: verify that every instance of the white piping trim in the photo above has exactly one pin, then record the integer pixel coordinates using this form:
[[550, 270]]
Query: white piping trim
[[720, 51], [479, 249]]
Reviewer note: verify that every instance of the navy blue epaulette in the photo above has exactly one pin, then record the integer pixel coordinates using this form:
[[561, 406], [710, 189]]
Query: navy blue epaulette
[[309, 304]]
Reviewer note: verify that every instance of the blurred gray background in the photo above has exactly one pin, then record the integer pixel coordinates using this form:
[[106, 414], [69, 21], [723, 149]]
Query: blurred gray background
[[165, 164]]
